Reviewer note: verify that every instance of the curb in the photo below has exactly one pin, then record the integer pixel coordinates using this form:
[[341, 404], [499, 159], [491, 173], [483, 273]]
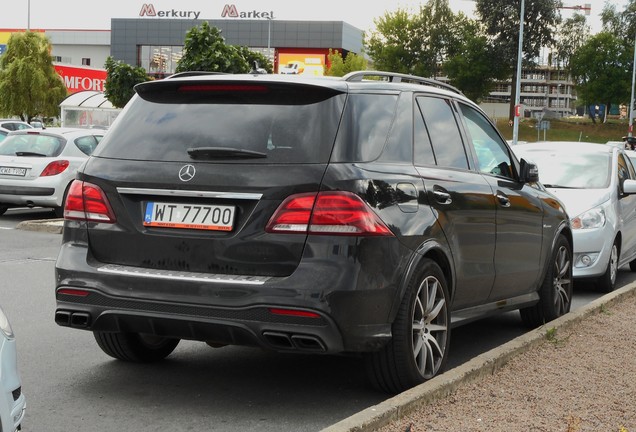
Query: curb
[[484, 364], [45, 225]]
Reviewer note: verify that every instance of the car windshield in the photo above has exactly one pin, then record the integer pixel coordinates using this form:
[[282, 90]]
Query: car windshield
[[31, 145], [576, 171]]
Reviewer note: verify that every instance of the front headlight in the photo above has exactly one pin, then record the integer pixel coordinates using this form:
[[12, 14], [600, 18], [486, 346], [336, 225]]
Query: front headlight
[[590, 219], [4, 325]]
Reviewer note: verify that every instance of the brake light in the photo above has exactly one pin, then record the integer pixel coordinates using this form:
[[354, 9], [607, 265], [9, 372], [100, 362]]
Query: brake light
[[87, 202], [54, 168], [330, 213], [222, 88]]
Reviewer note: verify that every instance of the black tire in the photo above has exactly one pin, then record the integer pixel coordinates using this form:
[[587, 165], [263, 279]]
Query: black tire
[[134, 347], [632, 264], [3, 209], [607, 282], [421, 335], [555, 293]]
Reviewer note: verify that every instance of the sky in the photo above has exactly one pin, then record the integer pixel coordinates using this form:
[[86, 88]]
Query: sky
[[96, 15]]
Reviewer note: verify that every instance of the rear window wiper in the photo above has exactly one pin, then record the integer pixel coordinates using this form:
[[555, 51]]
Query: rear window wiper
[[26, 153], [224, 153]]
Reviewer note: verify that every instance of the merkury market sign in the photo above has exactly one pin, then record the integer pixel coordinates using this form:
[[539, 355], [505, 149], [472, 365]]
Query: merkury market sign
[[229, 11]]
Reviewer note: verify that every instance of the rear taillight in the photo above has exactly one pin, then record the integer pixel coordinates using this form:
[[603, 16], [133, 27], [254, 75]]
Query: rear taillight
[[331, 213], [55, 168], [87, 202]]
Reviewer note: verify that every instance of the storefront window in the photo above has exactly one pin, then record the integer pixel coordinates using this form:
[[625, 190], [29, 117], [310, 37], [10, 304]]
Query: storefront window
[[158, 60]]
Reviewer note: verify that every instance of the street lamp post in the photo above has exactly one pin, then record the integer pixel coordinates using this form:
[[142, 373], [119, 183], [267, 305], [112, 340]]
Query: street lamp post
[[558, 105], [29, 15], [631, 100], [515, 128]]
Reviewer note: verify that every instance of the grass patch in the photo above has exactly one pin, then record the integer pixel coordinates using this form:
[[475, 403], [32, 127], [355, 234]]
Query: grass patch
[[577, 129]]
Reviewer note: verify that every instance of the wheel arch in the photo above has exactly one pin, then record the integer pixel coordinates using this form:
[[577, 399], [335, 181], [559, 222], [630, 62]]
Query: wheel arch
[[434, 251]]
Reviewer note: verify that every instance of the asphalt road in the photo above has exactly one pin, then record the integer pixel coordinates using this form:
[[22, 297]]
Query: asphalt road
[[70, 384]]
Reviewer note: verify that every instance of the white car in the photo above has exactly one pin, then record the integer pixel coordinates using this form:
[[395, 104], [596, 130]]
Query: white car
[[38, 165], [12, 401], [597, 185]]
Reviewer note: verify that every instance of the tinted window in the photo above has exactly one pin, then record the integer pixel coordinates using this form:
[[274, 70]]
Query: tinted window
[[365, 127], [423, 149], [288, 124], [492, 153], [443, 132], [31, 145]]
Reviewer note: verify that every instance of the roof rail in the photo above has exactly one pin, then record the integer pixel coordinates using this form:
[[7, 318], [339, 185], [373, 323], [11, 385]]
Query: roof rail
[[398, 77]]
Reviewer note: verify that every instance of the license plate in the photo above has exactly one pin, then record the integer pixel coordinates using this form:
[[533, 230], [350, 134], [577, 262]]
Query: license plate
[[189, 216], [13, 171]]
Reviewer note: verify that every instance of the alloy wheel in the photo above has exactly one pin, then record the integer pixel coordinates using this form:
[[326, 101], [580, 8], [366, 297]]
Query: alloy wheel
[[430, 327]]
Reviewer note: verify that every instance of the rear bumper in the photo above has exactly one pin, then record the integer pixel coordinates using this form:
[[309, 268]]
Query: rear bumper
[[332, 306]]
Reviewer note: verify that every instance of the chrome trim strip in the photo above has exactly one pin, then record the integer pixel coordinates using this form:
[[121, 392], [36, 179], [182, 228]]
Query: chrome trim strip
[[190, 193], [182, 276]]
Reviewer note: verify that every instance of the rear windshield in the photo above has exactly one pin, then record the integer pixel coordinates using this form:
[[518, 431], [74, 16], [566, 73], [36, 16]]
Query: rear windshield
[[31, 145], [227, 123]]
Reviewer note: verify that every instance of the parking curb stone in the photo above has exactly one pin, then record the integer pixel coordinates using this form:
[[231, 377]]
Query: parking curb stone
[[44, 225], [484, 364]]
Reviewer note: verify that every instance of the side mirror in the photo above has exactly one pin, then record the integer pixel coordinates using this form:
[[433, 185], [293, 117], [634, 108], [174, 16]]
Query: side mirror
[[629, 187], [529, 172]]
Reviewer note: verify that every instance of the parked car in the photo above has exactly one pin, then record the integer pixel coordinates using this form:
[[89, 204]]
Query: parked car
[[308, 215], [11, 125], [38, 165], [597, 184], [12, 400], [293, 68]]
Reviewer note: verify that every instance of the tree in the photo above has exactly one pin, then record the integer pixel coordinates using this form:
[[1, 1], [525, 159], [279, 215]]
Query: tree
[[205, 50], [572, 35], [253, 56], [602, 70], [120, 80], [395, 44], [501, 21], [471, 67], [29, 85], [341, 67]]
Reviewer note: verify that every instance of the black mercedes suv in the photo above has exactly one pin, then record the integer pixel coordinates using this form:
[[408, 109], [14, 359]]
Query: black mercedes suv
[[363, 215]]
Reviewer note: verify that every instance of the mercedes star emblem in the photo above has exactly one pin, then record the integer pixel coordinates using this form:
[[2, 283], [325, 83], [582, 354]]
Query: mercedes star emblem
[[187, 172]]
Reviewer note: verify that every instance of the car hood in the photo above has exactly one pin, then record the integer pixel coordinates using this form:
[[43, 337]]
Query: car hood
[[577, 201]]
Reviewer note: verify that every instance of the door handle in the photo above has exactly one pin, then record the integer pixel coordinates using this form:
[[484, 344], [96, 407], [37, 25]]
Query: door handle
[[442, 197], [503, 200]]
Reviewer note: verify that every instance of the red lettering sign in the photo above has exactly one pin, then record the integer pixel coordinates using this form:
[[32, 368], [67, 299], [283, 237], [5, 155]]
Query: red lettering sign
[[79, 79], [230, 11], [148, 10]]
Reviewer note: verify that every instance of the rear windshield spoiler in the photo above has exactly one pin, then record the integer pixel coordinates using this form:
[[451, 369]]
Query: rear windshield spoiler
[[234, 91]]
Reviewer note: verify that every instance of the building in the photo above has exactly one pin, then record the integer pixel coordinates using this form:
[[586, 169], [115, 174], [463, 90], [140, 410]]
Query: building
[[157, 45]]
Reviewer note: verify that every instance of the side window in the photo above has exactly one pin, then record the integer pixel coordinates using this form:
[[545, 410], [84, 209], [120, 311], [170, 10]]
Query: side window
[[623, 169], [493, 156], [423, 150], [443, 132], [86, 144]]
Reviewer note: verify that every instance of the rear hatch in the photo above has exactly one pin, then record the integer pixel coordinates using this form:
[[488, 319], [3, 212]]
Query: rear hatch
[[194, 168], [25, 155]]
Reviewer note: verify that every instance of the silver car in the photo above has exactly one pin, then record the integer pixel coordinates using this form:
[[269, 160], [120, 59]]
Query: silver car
[[38, 165], [596, 183], [12, 401]]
